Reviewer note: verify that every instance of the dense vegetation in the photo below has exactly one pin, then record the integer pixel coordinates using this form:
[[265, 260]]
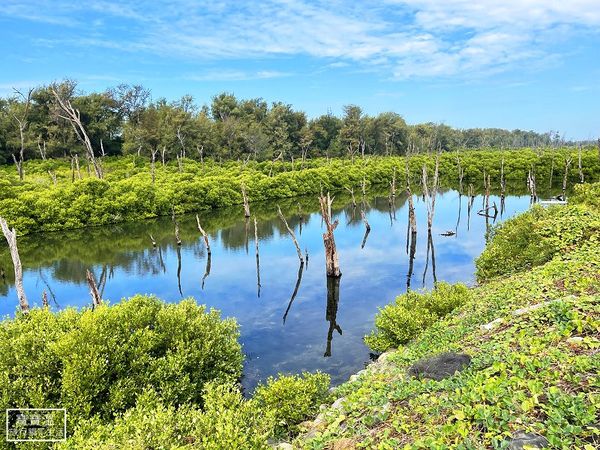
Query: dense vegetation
[[147, 374], [129, 191], [125, 120], [535, 371]]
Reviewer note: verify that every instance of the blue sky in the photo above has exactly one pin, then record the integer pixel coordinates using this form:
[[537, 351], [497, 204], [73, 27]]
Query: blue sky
[[529, 64]]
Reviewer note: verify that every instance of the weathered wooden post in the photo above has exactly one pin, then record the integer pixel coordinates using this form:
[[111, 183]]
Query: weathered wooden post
[[332, 263], [11, 239]]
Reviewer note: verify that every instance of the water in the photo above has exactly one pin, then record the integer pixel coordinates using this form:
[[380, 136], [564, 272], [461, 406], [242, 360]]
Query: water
[[324, 325]]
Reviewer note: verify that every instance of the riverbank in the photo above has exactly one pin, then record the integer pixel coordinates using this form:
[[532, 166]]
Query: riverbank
[[55, 197], [527, 344]]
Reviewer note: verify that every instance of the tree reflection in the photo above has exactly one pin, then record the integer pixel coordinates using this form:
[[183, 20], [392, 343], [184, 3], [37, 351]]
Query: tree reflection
[[333, 300], [298, 281]]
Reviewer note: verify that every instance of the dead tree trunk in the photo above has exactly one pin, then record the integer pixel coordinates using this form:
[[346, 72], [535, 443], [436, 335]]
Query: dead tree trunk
[[502, 180], [204, 235], [568, 162], [291, 233], [52, 176], [461, 173], [23, 123], [11, 239], [153, 153], [19, 166], [73, 116], [579, 165], [96, 297], [332, 263], [42, 149], [430, 197], [551, 173], [246, 203]]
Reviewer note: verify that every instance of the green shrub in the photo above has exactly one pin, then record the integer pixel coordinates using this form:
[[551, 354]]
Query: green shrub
[[226, 422], [292, 399], [587, 194], [97, 362], [412, 312], [534, 237]]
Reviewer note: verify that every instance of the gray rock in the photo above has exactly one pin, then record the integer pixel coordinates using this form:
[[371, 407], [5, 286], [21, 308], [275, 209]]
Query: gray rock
[[284, 446], [441, 366], [528, 309], [493, 324], [338, 403], [522, 440]]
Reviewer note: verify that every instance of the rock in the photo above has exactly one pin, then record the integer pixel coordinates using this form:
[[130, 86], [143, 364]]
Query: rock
[[575, 340], [528, 309], [344, 444], [493, 324], [284, 446], [338, 403], [441, 366], [385, 356], [522, 440]]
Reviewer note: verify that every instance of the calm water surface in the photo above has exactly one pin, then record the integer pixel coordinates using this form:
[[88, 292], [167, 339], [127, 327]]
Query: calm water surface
[[323, 328]]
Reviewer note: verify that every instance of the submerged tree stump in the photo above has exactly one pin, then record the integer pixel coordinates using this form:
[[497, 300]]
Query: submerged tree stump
[[332, 263], [11, 238]]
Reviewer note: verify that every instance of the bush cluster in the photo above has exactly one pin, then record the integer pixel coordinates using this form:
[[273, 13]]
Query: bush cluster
[[536, 236], [95, 363], [127, 192], [412, 312]]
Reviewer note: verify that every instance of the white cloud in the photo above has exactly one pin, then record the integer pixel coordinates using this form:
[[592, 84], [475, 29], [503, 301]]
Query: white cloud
[[236, 75], [404, 38]]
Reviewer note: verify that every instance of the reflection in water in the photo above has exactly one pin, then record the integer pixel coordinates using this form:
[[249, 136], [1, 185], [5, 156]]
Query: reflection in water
[[257, 258], [296, 287], [207, 269], [333, 300], [459, 210], [126, 262], [411, 256], [178, 248], [430, 249]]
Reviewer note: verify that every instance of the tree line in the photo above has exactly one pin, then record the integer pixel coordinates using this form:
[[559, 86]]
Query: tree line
[[59, 120]]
